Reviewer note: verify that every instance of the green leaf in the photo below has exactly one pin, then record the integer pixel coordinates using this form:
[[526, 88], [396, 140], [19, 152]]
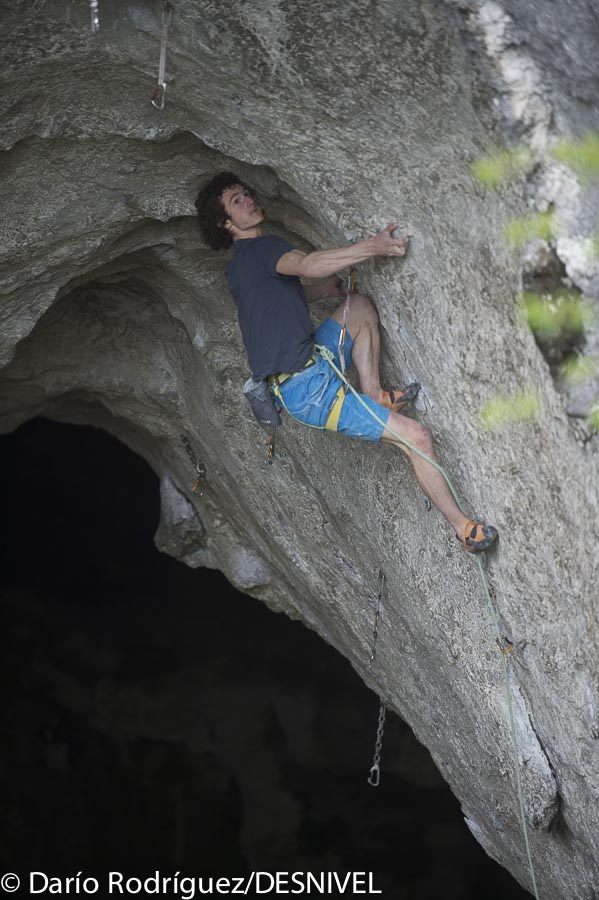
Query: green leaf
[[583, 155], [563, 312], [579, 369], [501, 165], [592, 420], [504, 409], [532, 225]]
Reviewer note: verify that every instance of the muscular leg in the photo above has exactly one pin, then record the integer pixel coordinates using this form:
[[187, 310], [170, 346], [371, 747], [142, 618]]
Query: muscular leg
[[363, 326], [430, 479]]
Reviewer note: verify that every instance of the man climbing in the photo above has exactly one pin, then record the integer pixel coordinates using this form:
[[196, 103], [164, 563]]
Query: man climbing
[[272, 303]]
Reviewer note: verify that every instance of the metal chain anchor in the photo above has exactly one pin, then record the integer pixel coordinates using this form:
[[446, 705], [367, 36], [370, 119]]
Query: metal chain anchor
[[375, 770], [160, 89], [200, 468], [93, 8], [374, 776], [375, 631]]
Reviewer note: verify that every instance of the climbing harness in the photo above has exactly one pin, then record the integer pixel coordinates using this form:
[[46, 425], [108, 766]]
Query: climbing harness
[[200, 468], [159, 95], [260, 393], [327, 354], [334, 411], [351, 284], [93, 8], [374, 775]]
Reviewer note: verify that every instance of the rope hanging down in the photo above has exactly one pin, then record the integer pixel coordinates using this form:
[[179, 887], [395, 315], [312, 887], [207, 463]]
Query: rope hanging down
[[505, 650], [159, 95]]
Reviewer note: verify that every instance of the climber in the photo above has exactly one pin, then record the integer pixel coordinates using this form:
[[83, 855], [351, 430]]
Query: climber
[[279, 337]]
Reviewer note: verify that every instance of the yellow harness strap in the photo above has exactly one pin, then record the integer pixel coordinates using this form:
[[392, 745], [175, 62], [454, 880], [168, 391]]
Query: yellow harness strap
[[332, 423], [274, 383]]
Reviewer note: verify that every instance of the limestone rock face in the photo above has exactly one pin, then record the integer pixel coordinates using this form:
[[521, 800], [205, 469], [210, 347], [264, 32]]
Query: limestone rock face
[[115, 314]]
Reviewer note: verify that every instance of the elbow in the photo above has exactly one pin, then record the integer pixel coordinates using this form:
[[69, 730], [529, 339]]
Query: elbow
[[309, 266]]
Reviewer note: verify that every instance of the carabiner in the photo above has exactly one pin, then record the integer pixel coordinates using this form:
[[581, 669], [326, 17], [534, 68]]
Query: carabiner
[[375, 776], [270, 447], [505, 648], [198, 485], [159, 89]]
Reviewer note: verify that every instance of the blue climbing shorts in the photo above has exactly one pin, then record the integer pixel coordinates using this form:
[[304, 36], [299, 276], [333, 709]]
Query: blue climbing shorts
[[310, 395]]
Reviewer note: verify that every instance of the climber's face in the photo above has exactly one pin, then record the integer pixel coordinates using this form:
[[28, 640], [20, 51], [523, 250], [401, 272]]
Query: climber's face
[[243, 213]]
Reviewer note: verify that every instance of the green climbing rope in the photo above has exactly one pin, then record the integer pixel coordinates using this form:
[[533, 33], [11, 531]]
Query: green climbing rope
[[329, 357]]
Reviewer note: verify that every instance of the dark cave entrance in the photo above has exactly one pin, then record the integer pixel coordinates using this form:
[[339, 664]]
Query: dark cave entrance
[[155, 719]]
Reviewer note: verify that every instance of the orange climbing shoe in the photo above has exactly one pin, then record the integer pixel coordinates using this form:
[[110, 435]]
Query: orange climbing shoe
[[396, 400], [477, 537]]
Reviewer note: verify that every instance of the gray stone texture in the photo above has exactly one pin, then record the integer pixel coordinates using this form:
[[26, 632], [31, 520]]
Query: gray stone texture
[[115, 314]]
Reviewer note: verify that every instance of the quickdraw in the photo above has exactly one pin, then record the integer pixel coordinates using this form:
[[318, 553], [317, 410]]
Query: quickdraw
[[93, 8], [200, 468], [270, 447], [505, 647], [198, 485], [351, 284], [159, 95]]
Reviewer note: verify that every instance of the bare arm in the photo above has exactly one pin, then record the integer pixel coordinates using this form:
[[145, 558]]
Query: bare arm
[[321, 263]]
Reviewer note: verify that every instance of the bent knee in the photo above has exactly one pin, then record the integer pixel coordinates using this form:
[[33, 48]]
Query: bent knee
[[409, 430], [366, 306], [423, 439]]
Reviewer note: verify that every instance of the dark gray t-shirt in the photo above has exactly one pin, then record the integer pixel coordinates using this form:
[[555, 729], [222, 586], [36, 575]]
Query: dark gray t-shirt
[[273, 311]]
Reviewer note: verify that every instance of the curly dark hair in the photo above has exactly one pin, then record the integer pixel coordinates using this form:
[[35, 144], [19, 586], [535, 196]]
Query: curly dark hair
[[211, 212]]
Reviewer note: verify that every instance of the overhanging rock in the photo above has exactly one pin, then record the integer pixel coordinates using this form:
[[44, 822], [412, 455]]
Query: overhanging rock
[[114, 314]]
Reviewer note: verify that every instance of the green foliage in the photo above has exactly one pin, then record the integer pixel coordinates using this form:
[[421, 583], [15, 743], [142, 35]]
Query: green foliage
[[582, 156], [593, 420], [533, 225], [504, 409], [578, 369], [558, 319], [500, 166], [561, 314]]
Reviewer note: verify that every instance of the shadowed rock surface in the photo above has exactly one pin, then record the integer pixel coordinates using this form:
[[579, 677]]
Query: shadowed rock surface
[[115, 315], [153, 717]]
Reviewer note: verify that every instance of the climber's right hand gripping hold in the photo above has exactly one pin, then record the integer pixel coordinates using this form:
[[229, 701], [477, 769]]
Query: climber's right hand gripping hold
[[321, 263], [387, 245]]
